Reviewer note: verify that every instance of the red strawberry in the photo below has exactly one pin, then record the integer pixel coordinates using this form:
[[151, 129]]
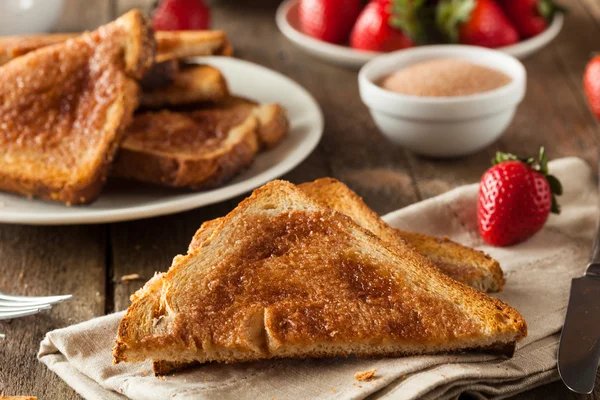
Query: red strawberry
[[373, 31], [329, 20], [475, 22], [591, 84], [177, 15], [530, 17], [515, 198]]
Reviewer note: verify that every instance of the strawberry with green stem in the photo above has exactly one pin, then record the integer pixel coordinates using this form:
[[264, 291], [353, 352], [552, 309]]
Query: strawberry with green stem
[[475, 22], [388, 25], [516, 197]]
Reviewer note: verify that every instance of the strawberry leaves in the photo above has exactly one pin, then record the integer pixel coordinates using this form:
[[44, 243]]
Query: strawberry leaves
[[547, 9], [450, 14], [541, 166], [413, 18]]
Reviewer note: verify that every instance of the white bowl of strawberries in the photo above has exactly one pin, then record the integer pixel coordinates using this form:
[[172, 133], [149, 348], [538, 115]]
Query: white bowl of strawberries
[[344, 32]]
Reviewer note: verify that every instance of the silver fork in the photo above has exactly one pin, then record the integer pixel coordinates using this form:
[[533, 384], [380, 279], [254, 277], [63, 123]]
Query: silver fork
[[21, 306]]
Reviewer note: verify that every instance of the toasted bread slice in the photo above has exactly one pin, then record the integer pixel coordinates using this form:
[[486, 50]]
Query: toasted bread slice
[[198, 149], [471, 267], [170, 44], [191, 84], [64, 109], [286, 276]]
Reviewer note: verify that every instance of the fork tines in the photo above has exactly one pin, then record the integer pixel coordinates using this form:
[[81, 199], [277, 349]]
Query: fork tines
[[21, 306]]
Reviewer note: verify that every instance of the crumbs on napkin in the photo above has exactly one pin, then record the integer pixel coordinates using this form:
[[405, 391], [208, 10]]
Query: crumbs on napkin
[[130, 277], [365, 376]]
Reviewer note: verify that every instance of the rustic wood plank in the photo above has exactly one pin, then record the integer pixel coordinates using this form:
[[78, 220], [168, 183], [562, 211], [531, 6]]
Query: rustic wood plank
[[47, 261], [593, 7], [84, 15], [123, 6]]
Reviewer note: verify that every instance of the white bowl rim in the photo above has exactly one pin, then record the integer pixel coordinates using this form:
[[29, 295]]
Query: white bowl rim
[[444, 51]]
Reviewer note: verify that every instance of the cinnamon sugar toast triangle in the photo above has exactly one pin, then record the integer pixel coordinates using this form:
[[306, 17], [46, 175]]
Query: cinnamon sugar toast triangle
[[64, 109], [286, 276], [471, 267]]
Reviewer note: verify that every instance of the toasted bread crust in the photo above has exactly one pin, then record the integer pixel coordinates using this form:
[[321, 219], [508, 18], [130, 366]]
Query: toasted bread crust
[[269, 219], [184, 44], [273, 124], [139, 53], [170, 45], [71, 175], [272, 119], [469, 266]]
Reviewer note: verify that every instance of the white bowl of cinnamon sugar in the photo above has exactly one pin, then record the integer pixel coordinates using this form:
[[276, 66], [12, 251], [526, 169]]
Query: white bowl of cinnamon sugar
[[443, 101]]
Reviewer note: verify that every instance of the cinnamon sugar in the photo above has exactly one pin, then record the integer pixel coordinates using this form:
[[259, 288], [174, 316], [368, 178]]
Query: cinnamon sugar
[[445, 78]]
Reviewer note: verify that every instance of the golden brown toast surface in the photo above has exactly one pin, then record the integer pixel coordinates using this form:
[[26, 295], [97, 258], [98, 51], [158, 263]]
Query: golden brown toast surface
[[469, 266], [63, 110], [466, 265], [285, 276], [190, 84]]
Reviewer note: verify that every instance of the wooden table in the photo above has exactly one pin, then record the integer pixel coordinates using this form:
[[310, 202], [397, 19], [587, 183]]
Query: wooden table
[[89, 260]]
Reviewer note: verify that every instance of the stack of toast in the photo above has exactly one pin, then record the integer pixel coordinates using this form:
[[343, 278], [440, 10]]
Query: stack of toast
[[311, 271], [123, 101]]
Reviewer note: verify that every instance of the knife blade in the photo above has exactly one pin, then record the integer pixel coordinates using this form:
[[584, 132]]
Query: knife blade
[[579, 348]]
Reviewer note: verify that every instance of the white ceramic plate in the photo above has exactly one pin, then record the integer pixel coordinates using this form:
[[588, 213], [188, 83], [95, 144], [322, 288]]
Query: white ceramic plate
[[289, 25], [125, 200]]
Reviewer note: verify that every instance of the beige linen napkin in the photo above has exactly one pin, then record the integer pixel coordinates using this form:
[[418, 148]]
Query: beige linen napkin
[[538, 274]]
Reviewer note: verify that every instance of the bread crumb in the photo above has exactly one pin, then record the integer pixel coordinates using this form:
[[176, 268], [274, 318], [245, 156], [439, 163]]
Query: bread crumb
[[21, 274], [365, 376], [204, 378], [18, 398], [333, 390], [162, 378], [130, 277]]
